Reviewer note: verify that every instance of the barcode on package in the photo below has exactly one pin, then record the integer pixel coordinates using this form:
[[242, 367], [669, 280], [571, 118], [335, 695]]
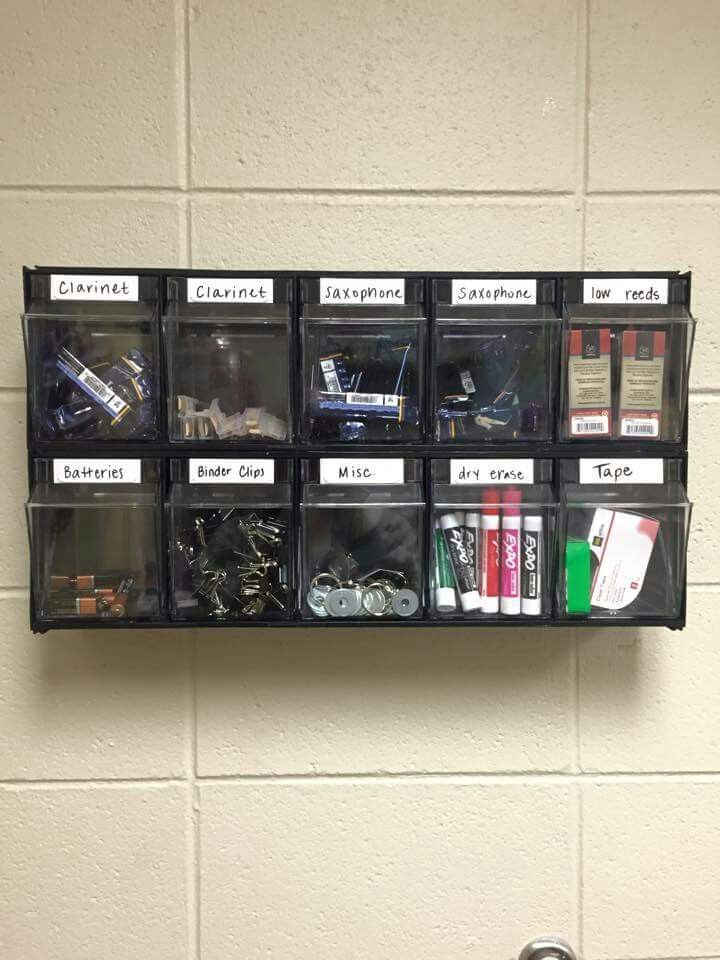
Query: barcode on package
[[369, 399], [101, 391], [639, 427], [332, 384], [588, 425], [467, 381]]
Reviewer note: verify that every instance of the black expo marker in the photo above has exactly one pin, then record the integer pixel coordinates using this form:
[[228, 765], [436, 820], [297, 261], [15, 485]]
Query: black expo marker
[[462, 548]]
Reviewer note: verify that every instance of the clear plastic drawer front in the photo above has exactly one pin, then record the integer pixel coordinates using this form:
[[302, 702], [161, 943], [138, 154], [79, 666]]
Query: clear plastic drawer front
[[95, 549], [228, 361], [625, 372], [623, 549], [93, 364]]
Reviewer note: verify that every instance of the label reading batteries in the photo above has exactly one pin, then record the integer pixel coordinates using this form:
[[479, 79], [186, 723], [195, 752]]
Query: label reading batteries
[[76, 286], [365, 470], [97, 471]]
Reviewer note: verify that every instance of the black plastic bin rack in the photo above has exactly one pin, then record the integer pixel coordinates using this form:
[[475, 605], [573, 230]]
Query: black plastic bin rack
[[229, 448]]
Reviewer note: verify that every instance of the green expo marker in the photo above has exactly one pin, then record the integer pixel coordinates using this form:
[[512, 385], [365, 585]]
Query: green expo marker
[[445, 601]]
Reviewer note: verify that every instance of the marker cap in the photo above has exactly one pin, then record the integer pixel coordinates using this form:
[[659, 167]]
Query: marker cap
[[511, 499], [445, 599], [490, 501], [470, 601]]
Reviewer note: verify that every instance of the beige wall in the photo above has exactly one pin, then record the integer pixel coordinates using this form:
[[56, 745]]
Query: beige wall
[[360, 795]]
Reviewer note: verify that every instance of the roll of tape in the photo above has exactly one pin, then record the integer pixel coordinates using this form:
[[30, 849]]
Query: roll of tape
[[577, 576]]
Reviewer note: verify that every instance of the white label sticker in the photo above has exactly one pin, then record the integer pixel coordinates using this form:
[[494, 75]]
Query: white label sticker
[[616, 471], [493, 291], [354, 290], [581, 426], [341, 471], [628, 290], [76, 286], [492, 471], [218, 470], [639, 427], [229, 290], [97, 471]]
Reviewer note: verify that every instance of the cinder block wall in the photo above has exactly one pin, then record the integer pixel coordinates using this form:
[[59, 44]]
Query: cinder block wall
[[367, 795]]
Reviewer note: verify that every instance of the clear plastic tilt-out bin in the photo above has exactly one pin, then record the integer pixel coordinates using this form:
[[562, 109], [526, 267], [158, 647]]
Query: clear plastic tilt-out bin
[[362, 542], [232, 540], [92, 347], [623, 540], [494, 359], [95, 540], [625, 367], [227, 342], [493, 539], [363, 344]]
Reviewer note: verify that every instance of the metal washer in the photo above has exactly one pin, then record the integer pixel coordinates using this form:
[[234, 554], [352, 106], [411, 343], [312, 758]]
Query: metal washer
[[405, 602], [344, 602]]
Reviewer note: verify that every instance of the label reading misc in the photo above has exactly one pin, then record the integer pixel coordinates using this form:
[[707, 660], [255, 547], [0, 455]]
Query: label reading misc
[[371, 471], [493, 292], [356, 290], [219, 470], [97, 471], [625, 290], [229, 290], [616, 471], [76, 286], [491, 471]]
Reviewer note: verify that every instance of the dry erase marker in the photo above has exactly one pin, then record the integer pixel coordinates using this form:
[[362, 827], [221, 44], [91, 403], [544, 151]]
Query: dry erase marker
[[445, 601], [510, 554], [532, 572], [473, 544], [463, 565], [490, 552]]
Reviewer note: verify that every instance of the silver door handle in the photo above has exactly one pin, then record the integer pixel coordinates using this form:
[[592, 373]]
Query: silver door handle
[[547, 948]]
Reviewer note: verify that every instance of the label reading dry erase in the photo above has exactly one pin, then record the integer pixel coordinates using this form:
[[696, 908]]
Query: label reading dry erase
[[220, 470], [372, 471], [229, 290], [362, 290], [76, 286], [491, 292], [97, 471], [627, 290], [614, 471], [492, 471]]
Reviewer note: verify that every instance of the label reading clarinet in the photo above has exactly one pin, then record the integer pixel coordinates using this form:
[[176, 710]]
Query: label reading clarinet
[[76, 286], [491, 471], [226, 470], [653, 290], [492, 292], [589, 382], [229, 290], [641, 383], [362, 290], [97, 471], [337, 470]]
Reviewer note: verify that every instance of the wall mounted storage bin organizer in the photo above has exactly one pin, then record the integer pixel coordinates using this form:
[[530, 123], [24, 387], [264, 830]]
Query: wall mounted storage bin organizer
[[494, 359], [626, 365], [493, 539], [231, 540], [92, 364], [363, 349], [228, 354], [267, 448], [623, 543], [95, 540]]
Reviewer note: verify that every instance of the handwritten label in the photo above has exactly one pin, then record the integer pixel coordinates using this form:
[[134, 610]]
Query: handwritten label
[[76, 286], [354, 290], [493, 291], [492, 471], [371, 471], [616, 471], [629, 290], [97, 471], [229, 290], [219, 470]]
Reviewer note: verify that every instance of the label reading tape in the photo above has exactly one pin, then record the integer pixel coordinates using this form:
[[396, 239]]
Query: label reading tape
[[355, 290], [614, 471], [97, 471], [229, 290], [625, 290], [493, 291], [371, 471], [492, 471], [224, 470], [76, 286]]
